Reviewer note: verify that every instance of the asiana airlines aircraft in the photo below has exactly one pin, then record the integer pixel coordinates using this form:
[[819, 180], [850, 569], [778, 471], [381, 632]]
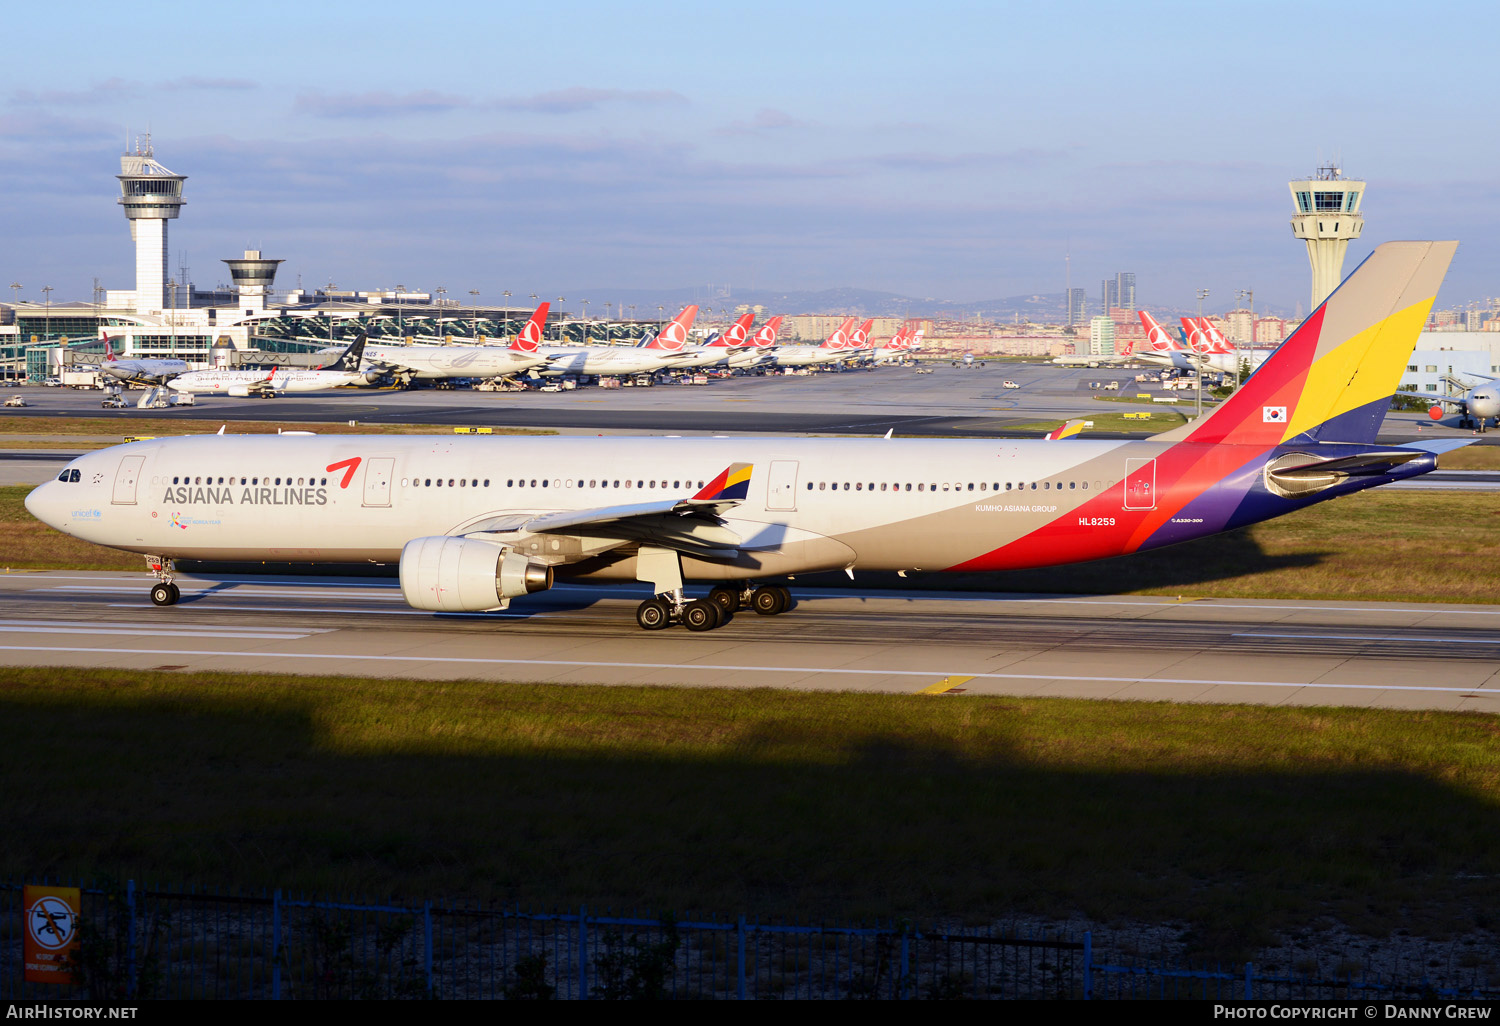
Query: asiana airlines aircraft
[[475, 521]]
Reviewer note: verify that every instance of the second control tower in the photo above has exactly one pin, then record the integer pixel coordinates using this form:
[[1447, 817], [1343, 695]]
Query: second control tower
[[151, 196], [1328, 216]]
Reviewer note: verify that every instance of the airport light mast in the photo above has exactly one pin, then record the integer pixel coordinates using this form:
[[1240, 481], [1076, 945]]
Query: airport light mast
[[151, 196], [1328, 216]]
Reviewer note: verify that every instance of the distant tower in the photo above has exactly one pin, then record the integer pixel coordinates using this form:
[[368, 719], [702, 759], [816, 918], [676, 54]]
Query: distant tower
[[1125, 290], [151, 196], [253, 276], [1328, 216]]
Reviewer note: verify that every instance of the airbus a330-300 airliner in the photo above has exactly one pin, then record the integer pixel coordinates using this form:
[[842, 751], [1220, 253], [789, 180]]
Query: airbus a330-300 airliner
[[476, 521]]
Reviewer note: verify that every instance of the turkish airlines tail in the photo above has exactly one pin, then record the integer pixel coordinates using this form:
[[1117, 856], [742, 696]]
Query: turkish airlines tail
[[737, 335], [840, 337], [109, 349], [529, 337], [675, 335], [1158, 339], [860, 337], [1193, 332], [1215, 339], [766, 336]]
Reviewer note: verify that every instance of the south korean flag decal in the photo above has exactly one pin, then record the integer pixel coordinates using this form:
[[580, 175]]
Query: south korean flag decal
[[1273, 414]]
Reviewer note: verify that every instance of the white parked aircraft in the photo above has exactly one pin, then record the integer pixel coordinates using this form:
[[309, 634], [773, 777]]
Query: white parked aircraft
[[476, 521], [663, 352], [718, 349], [409, 363], [267, 384], [140, 371], [834, 348], [1475, 407]]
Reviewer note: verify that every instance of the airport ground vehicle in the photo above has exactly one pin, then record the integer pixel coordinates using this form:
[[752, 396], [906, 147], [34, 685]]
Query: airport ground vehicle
[[114, 402], [1007, 383], [16, 400], [52, 382]]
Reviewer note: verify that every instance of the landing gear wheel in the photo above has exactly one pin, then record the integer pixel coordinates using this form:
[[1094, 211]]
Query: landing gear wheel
[[653, 615], [702, 615], [165, 595], [770, 600], [727, 599]]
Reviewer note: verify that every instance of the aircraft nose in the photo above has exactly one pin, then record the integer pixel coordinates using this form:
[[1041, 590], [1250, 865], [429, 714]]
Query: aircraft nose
[[43, 502]]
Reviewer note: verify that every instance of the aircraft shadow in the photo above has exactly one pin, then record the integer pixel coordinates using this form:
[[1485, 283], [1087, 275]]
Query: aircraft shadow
[[246, 789]]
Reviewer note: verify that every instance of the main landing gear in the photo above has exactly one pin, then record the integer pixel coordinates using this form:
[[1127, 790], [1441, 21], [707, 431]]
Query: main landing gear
[[164, 592], [723, 602]]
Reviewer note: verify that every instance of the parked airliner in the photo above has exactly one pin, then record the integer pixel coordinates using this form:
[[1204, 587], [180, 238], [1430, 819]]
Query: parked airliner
[[146, 371], [476, 521], [266, 383], [663, 352]]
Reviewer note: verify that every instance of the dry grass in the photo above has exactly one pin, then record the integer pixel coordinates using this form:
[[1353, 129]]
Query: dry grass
[[1233, 820], [1472, 457]]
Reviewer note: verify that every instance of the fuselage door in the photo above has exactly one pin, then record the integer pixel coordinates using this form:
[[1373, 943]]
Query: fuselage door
[[378, 480], [781, 485], [1140, 484], [126, 479]]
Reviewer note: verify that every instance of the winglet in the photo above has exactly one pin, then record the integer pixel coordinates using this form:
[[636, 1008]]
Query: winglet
[[732, 483]]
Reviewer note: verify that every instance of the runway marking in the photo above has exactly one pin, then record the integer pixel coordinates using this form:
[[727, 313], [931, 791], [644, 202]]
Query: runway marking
[[222, 593], [363, 612], [1370, 637], [135, 625], [137, 632], [945, 685], [491, 660]]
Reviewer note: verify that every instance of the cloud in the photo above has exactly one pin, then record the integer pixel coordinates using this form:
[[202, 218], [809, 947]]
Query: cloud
[[767, 119], [109, 89], [580, 98], [378, 104], [200, 83]]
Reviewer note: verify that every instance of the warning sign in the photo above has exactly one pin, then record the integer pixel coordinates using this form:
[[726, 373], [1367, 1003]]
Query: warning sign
[[51, 915]]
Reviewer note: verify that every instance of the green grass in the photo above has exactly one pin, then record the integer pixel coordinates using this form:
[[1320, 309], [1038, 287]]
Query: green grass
[[1162, 419], [1236, 821]]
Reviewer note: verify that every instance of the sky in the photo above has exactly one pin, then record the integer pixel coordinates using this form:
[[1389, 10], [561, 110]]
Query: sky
[[948, 150]]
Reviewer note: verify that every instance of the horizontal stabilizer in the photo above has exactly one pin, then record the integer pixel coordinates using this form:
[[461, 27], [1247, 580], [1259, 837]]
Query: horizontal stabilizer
[[1438, 446], [733, 483]]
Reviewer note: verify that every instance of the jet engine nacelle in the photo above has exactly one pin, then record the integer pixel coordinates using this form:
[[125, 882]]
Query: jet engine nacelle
[[238, 392], [467, 575]]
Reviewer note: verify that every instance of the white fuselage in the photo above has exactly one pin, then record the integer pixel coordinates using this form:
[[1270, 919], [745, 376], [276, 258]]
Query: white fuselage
[[436, 362], [810, 356], [151, 372], [250, 382], [605, 361], [813, 503]]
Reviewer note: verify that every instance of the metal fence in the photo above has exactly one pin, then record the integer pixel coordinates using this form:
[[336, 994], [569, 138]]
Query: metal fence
[[141, 943]]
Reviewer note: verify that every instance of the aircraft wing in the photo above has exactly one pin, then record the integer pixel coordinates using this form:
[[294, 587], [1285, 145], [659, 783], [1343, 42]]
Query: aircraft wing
[[692, 525], [1452, 400]]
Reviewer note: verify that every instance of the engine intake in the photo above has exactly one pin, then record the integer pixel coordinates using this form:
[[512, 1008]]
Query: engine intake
[[467, 575]]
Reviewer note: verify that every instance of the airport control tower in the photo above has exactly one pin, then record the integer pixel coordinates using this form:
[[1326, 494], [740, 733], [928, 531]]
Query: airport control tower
[[151, 196], [253, 276], [1328, 216]]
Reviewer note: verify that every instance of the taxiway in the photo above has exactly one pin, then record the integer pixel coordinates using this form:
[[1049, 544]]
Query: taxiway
[[1392, 655]]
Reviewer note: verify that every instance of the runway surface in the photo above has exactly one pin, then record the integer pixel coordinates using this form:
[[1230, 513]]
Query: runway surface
[[951, 401], [1394, 655]]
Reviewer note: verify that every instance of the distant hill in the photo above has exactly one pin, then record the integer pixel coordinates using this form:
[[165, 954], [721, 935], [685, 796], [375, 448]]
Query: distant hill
[[1045, 308]]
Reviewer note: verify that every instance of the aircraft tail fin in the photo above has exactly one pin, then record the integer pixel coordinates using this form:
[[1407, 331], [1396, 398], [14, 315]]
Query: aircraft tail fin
[[1332, 380], [350, 358], [530, 336], [675, 335], [766, 336], [109, 349]]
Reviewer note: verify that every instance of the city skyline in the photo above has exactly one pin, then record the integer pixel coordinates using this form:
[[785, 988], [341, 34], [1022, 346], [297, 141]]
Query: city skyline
[[662, 146]]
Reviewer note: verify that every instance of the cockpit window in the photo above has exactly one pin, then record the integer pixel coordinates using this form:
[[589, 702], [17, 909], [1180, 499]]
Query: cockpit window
[[63, 476], [74, 475]]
